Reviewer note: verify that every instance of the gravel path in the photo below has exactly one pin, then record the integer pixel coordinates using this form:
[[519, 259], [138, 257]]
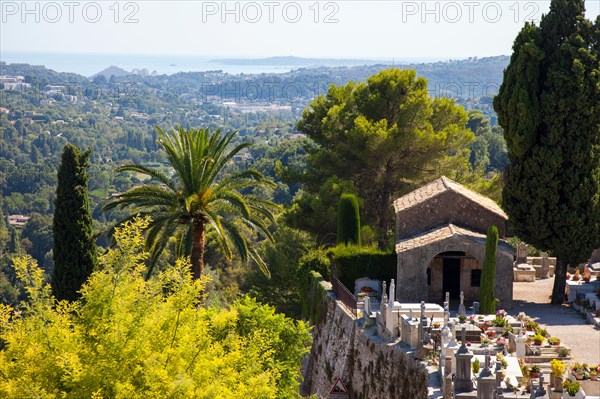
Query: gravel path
[[560, 321]]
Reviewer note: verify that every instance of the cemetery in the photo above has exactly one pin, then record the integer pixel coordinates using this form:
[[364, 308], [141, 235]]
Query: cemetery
[[431, 310]]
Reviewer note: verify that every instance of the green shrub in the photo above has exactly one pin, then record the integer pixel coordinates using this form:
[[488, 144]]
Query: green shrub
[[312, 300], [315, 260], [353, 262], [572, 388], [128, 337], [348, 231]]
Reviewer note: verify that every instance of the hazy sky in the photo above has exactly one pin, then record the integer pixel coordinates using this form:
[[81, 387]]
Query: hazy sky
[[348, 29]]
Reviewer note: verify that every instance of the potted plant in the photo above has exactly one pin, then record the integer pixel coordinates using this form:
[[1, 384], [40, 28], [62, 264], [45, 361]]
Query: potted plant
[[502, 360], [572, 389], [576, 276], [436, 324], [577, 370], [594, 375], [534, 371], [538, 339], [491, 333], [462, 318], [558, 368], [564, 352], [500, 344], [476, 365], [531, 325], [554, 341], [586, 275], [500, 322]]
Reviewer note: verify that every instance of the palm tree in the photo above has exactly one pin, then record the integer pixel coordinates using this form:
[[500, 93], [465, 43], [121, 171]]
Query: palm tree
[[198, 197]]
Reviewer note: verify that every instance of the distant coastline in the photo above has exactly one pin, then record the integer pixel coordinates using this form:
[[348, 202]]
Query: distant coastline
[[91, 64]]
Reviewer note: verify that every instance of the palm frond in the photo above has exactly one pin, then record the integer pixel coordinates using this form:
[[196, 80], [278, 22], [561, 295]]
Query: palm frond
[[152, 172], [143, 197], [234, 199], [254, 255]]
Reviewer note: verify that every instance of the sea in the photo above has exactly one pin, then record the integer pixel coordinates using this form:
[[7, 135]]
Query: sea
[[90, 64]]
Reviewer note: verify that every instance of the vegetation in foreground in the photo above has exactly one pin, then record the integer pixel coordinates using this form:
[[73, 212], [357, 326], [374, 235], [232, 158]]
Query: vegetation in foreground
[[128, 337]]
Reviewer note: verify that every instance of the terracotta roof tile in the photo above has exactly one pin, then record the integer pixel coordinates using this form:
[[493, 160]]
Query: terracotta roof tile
[[435, 235], [442, 185]]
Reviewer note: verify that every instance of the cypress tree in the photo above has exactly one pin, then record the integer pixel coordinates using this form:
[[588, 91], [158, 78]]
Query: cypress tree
[[348, 220], [74, 248], [549, 108], [487, 299]]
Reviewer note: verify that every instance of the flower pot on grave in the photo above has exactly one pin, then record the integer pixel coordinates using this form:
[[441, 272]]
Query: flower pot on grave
[[579, 375], [558, 384]]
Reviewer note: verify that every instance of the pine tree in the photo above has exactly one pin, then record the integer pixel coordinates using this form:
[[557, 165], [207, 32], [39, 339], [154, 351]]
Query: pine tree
[[74, 247], [348, 220], [549, 108], [487, 298]]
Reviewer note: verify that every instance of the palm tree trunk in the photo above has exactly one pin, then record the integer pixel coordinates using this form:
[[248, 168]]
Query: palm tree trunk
[[197, 256]]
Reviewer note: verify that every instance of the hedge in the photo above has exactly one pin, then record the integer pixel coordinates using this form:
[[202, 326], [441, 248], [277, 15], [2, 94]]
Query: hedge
[[352, 263]]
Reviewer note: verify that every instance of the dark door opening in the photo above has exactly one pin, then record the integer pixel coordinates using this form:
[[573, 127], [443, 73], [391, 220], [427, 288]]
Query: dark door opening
[[451, 278]]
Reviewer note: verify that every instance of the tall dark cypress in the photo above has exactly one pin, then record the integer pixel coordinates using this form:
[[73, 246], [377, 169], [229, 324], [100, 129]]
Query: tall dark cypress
[[549, 108], [74, 247], [487, 298], [348, 220]]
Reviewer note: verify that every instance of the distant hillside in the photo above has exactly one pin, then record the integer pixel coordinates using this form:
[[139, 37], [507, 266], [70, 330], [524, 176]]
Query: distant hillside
[[39, 73], [112, 71], [294, 61]]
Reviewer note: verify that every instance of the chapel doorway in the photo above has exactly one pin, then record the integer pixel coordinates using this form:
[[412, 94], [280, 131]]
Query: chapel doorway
[[451, 277]]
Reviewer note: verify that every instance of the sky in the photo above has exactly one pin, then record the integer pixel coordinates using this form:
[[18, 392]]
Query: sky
[[384, 30]]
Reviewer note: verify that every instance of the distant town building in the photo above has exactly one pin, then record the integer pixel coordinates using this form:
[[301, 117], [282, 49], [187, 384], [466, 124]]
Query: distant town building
[[17, 220]]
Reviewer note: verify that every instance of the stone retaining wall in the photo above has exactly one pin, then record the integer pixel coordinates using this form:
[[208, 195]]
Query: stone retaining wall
[[369, 366]]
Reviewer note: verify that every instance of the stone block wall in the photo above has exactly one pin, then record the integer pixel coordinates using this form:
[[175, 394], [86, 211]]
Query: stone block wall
[[368, 366], [448, 207]]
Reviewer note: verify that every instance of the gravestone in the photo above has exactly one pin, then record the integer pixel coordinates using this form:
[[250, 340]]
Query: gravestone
[[520, 344], [463, 358], [382, 306], [521, 253], [461, 308], [486, 382], [367, 309], [499, 390], [541, 391], [423, 323], [449, 349], [448, 387], [545, 270], [475, 307]]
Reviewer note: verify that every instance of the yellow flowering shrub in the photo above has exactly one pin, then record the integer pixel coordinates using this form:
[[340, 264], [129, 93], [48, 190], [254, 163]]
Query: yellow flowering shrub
[[130, 338]]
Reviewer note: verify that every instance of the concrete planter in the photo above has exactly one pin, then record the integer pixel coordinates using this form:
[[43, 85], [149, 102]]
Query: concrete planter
[[579, 395]]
